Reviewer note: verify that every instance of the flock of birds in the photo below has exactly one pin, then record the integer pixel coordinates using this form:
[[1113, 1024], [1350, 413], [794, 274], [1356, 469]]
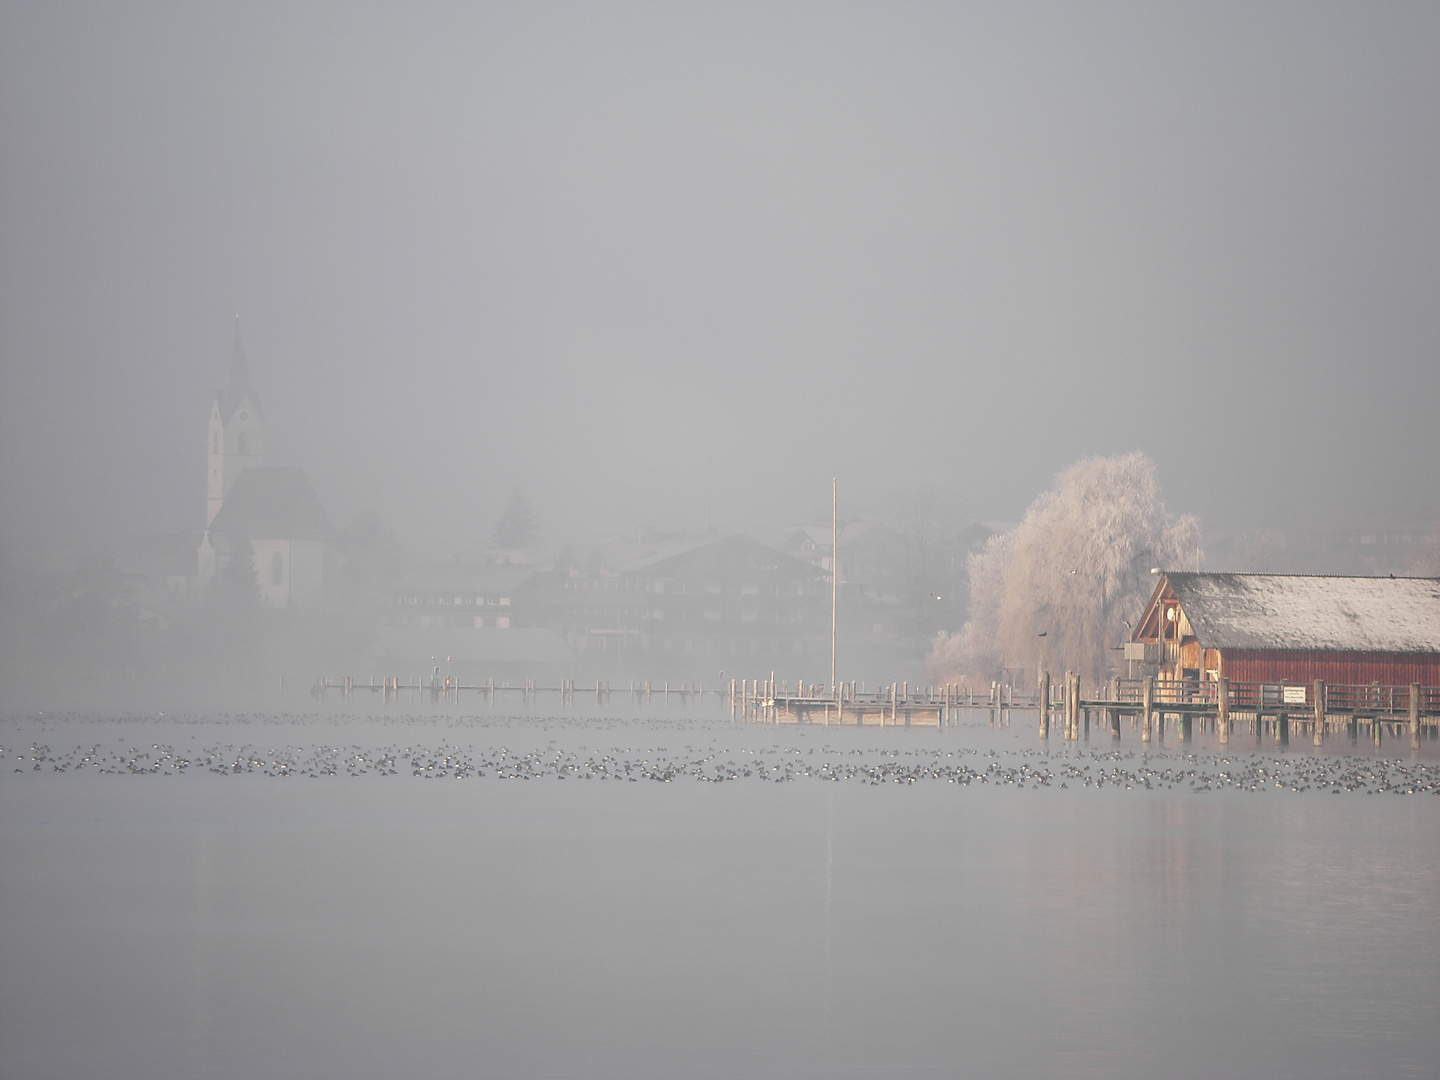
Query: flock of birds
[[1033, 768]]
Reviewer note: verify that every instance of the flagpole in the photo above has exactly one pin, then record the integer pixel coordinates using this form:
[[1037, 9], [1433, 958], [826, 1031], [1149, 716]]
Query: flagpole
[[834, 574]]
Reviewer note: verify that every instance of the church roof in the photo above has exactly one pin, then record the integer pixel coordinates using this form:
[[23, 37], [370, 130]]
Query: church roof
[[1292, 611], [273, 503], [237, 386]]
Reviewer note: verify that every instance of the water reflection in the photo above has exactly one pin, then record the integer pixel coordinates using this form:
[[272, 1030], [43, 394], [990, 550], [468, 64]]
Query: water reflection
[[189, 922]]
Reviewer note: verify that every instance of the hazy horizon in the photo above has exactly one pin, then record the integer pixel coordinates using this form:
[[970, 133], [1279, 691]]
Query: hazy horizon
[[681, 267]]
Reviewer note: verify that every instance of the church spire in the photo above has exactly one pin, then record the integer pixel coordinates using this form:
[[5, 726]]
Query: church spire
[[238, 384]]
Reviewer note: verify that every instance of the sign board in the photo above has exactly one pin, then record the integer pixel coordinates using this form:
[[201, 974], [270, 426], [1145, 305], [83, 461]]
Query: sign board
[[1293, 695], [1134, 650]]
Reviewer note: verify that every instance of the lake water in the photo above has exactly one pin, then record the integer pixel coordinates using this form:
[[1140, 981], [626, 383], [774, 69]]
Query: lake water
[[448, 895]]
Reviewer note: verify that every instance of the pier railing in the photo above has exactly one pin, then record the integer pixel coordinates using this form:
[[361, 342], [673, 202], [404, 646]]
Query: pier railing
[[1249, 696]]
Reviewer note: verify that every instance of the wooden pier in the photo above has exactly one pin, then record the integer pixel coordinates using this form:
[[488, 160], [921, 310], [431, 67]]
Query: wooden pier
[[439, 689], [1150, 707], [748, 700], [895, 704]]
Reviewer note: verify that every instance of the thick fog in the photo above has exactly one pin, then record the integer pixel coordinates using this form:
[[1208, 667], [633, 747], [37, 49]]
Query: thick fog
[[650, 275], [779, 423], [679, 267]]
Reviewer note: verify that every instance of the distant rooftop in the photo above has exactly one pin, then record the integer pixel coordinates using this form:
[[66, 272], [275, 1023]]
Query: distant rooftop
[[441, 578]]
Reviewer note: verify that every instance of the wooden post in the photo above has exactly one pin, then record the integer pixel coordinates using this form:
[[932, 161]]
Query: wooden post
[[1319, 704], [1222, 708], [1068, 714], [1065, 707], [1044, 704], [1075, 706], [1147, 707], [1414, 716]]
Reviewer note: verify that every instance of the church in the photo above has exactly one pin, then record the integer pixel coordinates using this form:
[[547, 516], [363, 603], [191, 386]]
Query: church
[[267, 514]]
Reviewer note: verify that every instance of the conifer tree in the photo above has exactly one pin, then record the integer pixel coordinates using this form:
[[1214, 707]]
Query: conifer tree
[[517, 527]]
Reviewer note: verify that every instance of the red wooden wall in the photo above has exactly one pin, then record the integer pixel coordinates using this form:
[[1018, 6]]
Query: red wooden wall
[[1339, 668]]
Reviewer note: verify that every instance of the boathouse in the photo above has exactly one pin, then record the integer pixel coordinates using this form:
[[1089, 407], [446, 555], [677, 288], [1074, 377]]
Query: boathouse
[[1291, 628]]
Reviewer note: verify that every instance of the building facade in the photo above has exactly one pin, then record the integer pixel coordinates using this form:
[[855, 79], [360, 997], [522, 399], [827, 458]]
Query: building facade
[[1291, 628], [269, 516]]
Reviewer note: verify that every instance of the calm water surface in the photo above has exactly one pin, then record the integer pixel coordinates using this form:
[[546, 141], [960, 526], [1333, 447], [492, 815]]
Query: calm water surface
[[896, 903]]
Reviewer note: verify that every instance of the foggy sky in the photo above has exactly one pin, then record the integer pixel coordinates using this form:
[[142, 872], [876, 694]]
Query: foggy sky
[[645, 260]]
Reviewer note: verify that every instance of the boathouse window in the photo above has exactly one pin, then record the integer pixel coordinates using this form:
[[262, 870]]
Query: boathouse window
[[277, 569]]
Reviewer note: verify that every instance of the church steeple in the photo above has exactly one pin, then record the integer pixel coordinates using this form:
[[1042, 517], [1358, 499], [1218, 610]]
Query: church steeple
[[238, 383], [237, 430]]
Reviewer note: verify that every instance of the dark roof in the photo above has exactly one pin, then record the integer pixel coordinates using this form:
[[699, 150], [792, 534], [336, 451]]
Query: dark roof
[[720, 555], [442, 578], [238, 384], [1293, 611], [273, 503]]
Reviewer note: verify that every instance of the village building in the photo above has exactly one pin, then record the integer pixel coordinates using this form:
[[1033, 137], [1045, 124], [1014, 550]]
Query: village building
[[478, 617], [1290, 628], [468, 595], [696, 602], [899, 583], [273, 516], [266, 514]]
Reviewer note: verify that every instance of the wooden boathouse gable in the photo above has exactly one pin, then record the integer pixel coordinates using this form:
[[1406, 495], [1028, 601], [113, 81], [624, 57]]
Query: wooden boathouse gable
[[1276, 628]]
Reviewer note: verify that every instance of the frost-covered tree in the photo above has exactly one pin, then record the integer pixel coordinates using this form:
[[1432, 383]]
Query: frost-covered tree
[[1057, 590]]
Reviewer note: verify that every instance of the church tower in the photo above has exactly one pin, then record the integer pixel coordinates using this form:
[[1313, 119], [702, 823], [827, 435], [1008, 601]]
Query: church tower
[[237, 431], [269, 518]]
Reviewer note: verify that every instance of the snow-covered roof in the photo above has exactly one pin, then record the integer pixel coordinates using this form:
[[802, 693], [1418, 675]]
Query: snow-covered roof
[[1291, 611]]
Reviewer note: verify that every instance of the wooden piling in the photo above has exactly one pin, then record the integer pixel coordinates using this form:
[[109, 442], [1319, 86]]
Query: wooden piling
[[1147, 707], [1414, 716], [1222, 709], [1319, 704], [1044, 694], [1069, 714]]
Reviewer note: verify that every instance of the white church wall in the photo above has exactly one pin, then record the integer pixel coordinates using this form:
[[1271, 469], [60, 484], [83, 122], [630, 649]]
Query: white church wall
[[308, 565], [271, 562], [208, 562]]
